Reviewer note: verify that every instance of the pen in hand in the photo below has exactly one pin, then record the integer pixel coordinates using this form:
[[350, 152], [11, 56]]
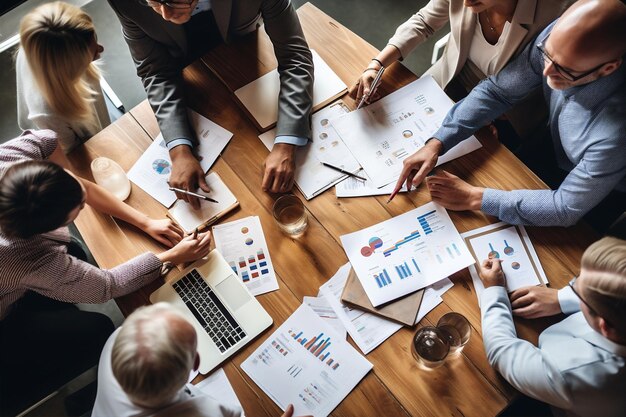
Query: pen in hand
[[195, 234], [379, 76], [203, 197]]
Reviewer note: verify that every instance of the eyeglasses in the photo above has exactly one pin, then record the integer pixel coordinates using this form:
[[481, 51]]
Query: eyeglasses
[[173, 4], [565, 73], [571, 285]]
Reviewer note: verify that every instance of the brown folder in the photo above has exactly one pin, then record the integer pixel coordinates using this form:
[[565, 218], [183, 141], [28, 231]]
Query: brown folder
[[403, 310]]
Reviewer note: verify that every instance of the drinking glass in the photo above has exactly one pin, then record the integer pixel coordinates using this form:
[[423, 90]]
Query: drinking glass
[[108, 174], [430, 347], [290, 215], [457, 330]]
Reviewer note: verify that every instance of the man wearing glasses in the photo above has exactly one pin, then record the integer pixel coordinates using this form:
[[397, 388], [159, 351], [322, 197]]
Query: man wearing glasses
[[579, 365], [578, 61], [164, 36]]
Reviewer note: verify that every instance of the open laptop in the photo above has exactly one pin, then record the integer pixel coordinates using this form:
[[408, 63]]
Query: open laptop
[[222, 310]]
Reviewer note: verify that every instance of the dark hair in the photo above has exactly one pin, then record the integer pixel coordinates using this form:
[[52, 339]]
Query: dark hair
[[36, 197]]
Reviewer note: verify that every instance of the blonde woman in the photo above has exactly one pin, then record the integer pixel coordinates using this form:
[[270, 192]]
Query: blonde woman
[[58, 84], [484, 36]]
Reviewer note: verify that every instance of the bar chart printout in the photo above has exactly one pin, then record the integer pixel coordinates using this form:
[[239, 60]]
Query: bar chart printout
[[305, 363], [406, 253]]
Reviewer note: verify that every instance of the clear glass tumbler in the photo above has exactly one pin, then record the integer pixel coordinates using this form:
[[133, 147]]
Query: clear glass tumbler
[[290, 215], [430, 347], [457, 330], [108, 174]]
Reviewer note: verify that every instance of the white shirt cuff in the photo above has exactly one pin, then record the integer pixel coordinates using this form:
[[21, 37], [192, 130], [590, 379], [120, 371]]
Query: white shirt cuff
[[568, 301]]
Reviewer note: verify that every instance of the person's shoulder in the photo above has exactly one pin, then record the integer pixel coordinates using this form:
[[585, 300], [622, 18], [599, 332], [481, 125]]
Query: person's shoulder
[[200, 406]]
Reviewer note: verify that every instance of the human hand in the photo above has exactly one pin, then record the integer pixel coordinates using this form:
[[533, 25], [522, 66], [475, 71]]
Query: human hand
[[289, 411], [164, 231], [453, 193], [363, 85], [416, 166], [188, 250], [280, 167], [187, 174], [491, 273], [532, 302]]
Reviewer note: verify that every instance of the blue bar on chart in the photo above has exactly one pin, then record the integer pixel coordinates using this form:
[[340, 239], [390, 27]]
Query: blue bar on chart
[[416, 267], [244, 276], [414, 235], [382, 279], [458, 252], [403, 271], [233, 266], [423, 220], [439, 259]]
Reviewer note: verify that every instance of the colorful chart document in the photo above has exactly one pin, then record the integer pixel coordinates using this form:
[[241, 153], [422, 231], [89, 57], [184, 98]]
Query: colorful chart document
[[322, 308], [406, 253], [386, 132], [242, 244], [306, 364], [152, 170], [366, 329], [312, 178], [513, 247], [354, 187]]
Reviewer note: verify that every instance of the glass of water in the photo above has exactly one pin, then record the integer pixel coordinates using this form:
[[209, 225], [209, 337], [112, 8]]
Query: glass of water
[[108, 174], [290, 215], [457, 330], [430, 347]]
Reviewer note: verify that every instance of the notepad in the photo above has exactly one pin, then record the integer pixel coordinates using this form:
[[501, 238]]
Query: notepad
[[260, 97], [189, 219]]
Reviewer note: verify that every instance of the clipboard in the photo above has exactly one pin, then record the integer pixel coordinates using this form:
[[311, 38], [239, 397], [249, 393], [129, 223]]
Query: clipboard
[[209, 213]]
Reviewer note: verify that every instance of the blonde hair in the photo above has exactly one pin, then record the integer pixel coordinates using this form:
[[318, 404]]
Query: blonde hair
[[153, 354], [56, 39], [605, 280]]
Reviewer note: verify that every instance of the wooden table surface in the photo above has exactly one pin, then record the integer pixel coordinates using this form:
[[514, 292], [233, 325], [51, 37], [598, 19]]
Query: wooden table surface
[[465, 385]]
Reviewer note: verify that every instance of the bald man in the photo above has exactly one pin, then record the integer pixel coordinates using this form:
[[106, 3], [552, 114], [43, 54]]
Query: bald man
[[578, 62], [579, 365], [145, 365]]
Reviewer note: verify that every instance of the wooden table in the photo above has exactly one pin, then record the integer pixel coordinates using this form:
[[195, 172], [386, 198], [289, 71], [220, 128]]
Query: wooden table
[[466, 385]]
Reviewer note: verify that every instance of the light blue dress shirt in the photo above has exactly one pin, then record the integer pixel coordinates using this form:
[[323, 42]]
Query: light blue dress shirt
[[574, 368], [587, 123]]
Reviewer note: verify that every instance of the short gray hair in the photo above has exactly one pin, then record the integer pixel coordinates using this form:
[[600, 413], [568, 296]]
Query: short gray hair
[[153, 354]]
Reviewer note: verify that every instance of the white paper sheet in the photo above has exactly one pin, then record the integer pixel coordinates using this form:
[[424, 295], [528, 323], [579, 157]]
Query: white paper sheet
[[406, 253], [353, 187], [152, 170], [512, 245], [218, 386], [322, 308], [432, 297], [260, 97], [304, 363], [366, 329], [386, 132], [312, 178], [189, 219], [242, 243]]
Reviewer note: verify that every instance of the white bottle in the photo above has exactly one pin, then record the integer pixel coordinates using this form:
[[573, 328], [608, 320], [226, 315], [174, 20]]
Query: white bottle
[[108, 174]]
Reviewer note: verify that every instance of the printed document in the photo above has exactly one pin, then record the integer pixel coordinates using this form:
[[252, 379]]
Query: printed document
[[305, 363], [386, 132], [312, 178], [406, 253], [322, 308], [354, 187], [242, 244], [152, 170]]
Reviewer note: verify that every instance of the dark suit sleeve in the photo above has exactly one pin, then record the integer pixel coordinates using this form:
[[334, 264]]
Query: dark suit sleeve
[[295, 66], [160, 72]]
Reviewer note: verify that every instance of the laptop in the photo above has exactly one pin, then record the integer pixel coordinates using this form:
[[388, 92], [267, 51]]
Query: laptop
[[222, 310]]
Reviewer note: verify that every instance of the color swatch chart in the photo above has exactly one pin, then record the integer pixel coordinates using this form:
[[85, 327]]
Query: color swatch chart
[[303, 363], [242, 243], [406, 253]]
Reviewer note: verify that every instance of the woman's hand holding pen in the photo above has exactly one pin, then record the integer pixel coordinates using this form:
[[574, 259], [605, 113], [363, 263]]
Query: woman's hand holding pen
[[164, 231], [363, 86], [191, 248]]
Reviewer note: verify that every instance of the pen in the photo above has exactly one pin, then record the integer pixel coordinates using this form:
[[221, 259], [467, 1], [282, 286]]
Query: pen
[[195, 234], [343, 171], [379, 76], [180, 190]]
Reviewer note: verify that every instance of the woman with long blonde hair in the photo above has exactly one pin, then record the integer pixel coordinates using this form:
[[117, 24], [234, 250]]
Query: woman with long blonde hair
[[58, 84]]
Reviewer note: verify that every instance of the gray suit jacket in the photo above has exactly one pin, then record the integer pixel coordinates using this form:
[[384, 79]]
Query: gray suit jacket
[[159, 48]]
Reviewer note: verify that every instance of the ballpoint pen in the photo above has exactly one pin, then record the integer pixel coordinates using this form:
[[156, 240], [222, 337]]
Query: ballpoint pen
[[379, 76], [195, 234], [180, 190], [343, 171]]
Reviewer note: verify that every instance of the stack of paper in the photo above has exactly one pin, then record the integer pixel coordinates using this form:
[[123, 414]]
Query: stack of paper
[[306, 363], [312, 178], [242, 243], [260, 97], [152, 170], [386, 132], [406, 253]]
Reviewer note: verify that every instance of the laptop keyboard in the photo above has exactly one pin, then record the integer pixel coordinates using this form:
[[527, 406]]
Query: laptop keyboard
[[210, 312]]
